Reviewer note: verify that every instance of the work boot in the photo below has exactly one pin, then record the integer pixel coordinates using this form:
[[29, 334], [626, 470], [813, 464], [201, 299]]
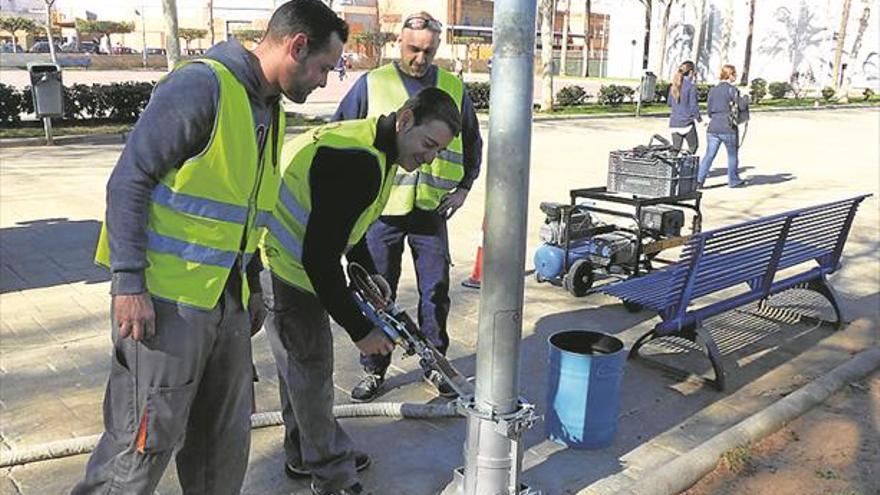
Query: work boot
[[368, 388], [361, 461], [355, 489], [438, 382]]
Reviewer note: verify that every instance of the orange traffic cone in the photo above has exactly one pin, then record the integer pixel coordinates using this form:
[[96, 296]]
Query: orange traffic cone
[[476, 278]]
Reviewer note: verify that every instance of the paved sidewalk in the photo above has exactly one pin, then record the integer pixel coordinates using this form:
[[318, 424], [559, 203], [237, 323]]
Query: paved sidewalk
[[54, 335]]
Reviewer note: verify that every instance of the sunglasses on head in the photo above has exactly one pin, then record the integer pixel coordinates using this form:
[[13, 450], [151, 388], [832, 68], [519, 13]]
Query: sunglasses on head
[[419, 23]]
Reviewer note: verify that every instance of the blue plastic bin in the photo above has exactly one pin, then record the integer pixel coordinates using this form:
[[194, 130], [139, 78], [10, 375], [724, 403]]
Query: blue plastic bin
[[583, 397]]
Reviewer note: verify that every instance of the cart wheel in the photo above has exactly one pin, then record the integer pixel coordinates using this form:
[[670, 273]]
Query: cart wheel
[[539, 278], [632, 307], [579, 278]]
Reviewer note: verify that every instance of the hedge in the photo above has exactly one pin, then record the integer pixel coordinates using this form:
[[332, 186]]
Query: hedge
[[118, 102]]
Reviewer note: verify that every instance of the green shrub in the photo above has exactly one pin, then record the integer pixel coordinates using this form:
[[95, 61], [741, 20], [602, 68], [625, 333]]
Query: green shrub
[[661, 91], [479, 93], [759, 89], [570, 96], [828, 93], [614, 94], [868, 93], [127, 100], [703, 91], [10, 104], [27, 100], [778, 90]]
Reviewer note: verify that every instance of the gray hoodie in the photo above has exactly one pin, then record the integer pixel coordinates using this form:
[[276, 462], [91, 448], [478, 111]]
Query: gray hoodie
[[175, 126]]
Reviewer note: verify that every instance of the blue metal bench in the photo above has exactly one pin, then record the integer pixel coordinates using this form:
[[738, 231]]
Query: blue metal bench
[[750, 253]]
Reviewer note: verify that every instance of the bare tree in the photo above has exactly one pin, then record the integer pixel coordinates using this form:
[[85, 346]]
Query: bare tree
[[747, 63], [211, 21], [588, 38], [649, 5], [547, 13], [698, 34], [172, 39], [841, 37], [863, 25], [565, 28], [664, 35], [49, 4]]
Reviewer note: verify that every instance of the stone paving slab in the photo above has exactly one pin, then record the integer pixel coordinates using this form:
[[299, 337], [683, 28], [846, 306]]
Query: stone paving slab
[[54, 340]]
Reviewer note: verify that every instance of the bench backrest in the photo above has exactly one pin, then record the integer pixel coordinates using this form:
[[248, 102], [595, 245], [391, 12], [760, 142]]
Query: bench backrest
[[752, 252]]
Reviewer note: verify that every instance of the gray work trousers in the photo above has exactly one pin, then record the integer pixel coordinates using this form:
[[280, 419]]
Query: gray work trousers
[[189, 386], [299, 333]]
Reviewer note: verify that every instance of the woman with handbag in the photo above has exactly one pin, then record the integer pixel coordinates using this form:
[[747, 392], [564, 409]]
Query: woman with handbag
[[726, 110], [684, 111]]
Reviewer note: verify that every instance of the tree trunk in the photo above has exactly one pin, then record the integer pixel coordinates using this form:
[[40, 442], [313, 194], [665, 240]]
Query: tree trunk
[[172, 40], [547, 55], [565, 27], [647, 49], [664, 35], [747, 63], [211, 20], [697, 47], [588, 39], [48, 31], [863, 24], [841, 37]]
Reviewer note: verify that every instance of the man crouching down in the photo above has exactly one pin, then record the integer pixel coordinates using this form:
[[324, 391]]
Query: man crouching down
[[336, 183]]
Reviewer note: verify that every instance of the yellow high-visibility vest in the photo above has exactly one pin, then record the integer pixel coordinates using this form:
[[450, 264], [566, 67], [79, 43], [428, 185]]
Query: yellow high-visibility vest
[[284, 239], [202, 213], [425, 187]]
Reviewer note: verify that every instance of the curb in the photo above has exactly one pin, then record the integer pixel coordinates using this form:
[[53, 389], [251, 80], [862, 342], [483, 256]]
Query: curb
[[755, 109], [685, 470], [481, 117]]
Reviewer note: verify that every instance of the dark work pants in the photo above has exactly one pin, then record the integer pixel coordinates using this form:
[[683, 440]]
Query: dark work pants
[[299, 334], [425, 232], [189, 386], [691, 138]]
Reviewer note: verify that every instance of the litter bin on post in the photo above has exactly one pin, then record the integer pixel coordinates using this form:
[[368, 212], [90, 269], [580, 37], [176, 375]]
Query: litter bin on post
[[47, 90], [647, 86], [583, 396]]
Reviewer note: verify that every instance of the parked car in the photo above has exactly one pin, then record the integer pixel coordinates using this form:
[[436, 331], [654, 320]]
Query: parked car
[[43, 47], [6, 47], [156, 51], [123, 50], [89, 47]]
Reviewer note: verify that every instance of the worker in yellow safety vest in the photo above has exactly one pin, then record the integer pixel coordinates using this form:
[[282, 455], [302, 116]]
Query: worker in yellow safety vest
[[186, 207], [336, 182], [421, 201]]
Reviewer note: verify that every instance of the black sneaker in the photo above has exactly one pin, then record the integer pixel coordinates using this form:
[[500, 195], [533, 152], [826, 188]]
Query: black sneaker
[[355, 489], [438, 382], [361, 461], [368, 388]]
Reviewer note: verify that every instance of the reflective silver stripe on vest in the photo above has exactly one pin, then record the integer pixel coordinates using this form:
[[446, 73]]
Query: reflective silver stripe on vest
[[190, 252], [437, 182], [406, 179], [287, 241], [292, 205], [263, 218], [203, 207], [452, 156]]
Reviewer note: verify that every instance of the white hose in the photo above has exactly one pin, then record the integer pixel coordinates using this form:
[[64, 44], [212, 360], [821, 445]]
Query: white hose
[[84, 445]]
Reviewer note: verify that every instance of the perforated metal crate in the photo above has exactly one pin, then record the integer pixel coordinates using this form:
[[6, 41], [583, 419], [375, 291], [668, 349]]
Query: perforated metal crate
[[652, 174]]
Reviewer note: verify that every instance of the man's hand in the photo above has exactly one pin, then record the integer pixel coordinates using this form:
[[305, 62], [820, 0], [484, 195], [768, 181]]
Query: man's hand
[[134, 316], [452, 202], [375, 343], [256, 311]]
